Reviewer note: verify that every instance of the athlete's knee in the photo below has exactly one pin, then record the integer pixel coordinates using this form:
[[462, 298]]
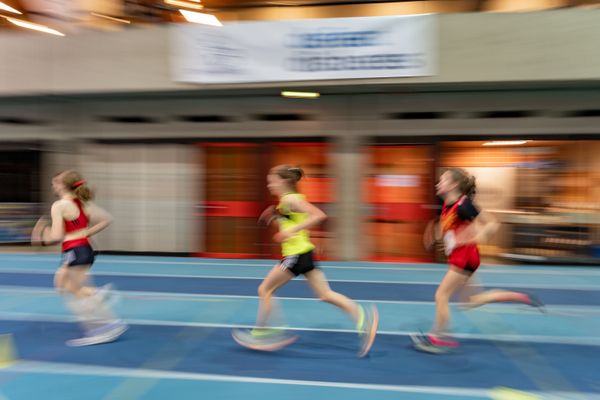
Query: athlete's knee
[[264, 291], [261, 291], [469, 300], [441, 297], [59, 279], [59, 285], [327, 296], [69, 288]]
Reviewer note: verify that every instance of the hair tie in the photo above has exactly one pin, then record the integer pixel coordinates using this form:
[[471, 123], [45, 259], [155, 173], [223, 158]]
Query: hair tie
[[75, 185]]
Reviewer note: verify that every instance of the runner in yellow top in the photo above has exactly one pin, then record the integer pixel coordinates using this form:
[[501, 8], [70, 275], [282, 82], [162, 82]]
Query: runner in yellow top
[[299, 242], [295, 215]]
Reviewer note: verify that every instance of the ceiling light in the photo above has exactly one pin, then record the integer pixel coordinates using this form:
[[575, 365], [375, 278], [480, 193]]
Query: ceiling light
[[185, 4], [9, 8], [111, 18], [200, 18], [283, 3], [300, 95], [505, 142], [31, 25]]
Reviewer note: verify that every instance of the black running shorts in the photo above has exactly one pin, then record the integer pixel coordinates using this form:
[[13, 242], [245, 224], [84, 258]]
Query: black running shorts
[[80, 255], [298, 264]]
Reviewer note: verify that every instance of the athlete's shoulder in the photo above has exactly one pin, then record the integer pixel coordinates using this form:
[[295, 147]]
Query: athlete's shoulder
[[61, 204]]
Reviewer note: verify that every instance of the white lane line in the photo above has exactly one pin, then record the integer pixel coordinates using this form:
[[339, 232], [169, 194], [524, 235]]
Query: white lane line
[[565, 310], [92, 370], [566, 340], [567, 286], [505, 269]]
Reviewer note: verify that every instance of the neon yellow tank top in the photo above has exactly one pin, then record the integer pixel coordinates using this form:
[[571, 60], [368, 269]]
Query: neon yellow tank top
[[299, 243]]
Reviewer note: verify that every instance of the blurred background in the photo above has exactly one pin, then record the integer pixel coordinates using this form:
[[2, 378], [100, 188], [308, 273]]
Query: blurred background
[[512, 96]]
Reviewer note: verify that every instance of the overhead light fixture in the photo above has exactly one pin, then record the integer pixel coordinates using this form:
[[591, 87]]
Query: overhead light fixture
[[35, 27], [300, 95], [200, 18], [8, 8], [506, 142], [110, 18], [185, 4]]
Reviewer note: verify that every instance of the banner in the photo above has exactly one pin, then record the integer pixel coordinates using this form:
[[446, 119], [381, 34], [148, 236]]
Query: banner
[[305, 50]]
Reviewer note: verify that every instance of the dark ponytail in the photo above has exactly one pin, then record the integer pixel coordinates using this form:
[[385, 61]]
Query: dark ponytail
[[466, 182]]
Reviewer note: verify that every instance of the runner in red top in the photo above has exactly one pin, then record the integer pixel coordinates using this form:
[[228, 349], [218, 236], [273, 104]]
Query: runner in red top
[[74, 219], [462, 226]]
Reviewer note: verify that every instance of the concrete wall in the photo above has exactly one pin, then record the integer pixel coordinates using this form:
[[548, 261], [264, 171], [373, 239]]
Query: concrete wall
[[549, 46]]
